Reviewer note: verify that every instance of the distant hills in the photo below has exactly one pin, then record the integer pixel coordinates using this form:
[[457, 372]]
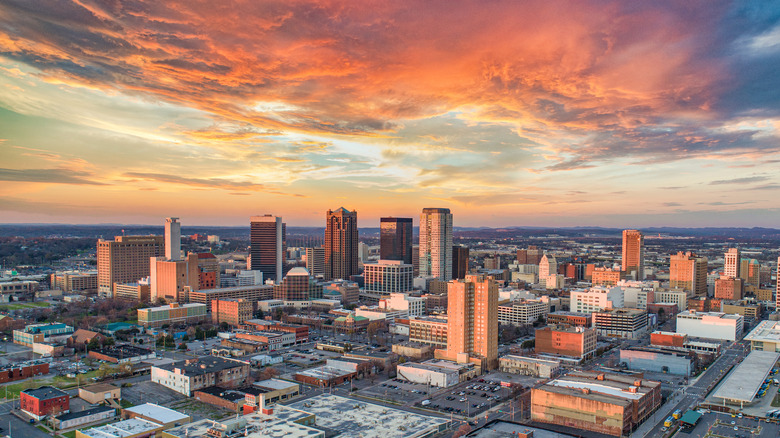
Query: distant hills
[[108, 231]]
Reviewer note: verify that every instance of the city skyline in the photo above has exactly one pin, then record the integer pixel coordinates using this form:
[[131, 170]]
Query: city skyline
[[613, 114]]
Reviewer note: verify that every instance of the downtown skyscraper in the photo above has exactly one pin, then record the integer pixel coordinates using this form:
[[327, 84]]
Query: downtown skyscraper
[[436, 243], [268, 236], [341, 244], [633, 254], [395, 239]]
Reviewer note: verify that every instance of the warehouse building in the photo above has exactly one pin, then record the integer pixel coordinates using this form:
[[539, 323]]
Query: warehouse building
[[610, 404], [529, 366], [428, 374], [657, 360], [710, 325]]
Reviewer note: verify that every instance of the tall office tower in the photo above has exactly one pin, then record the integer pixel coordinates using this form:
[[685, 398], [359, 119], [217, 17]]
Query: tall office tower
[[208, 271], [530, 256], [268, 239], [548, 265], [125, 260], [395, 239], [436, 243], [688, 272], [633, 253], [341, 244], [460, 261], [172, 238], [315, 261], [472, 320], [750, 272], [732, 264]]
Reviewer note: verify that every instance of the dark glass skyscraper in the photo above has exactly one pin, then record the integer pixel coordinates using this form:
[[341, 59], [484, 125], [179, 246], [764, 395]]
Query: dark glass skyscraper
[[395, 240], [341, 244], [268, 246]]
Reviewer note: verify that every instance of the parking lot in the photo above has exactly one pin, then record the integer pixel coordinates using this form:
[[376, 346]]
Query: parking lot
[[719, 424], [398, 391], [470, 398]]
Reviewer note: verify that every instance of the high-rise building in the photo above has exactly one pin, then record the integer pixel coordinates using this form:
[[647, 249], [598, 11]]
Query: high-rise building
[[341, 244], [387, 276], [460, 261], [633, 253], [729, 288], [208, 271], [688, 272], [750, 272], [530, 256], [436, 243], [268, 236], [732, 264], [172, 280], [416, 259], [172, 238], [548, 265], [395, 239], [315, 261], [125, 260], [472, 320]]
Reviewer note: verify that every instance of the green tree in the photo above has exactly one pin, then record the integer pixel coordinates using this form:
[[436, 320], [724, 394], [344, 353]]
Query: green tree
[[183, 346]]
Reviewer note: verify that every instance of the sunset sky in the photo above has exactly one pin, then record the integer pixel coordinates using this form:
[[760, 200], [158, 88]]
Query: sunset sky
[[537, 113]]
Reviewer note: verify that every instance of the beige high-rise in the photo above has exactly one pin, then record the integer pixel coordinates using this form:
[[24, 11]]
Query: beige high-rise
[[125, 260], [472, 324], [732, 265], [688, 272], [633, 253], [436, 243]]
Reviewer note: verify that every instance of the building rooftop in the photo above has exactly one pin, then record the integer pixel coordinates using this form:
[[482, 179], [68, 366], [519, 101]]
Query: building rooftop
[[203, 365], [531, 359], [743, 382], [100, 387], [358, 418], [231, 395], [122, 429], [124, 351], [157, 413], [708, 315], [508, 429], [45, 392], [299, 271], [606, 387], [765, 331], [274, 384], [84, 413], [324, 372], [282, 424]]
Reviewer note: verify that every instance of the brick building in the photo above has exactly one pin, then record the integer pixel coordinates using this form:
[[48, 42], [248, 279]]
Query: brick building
[[233, 311], [575, 343], [13, 372], [44, 401], [570, 319]]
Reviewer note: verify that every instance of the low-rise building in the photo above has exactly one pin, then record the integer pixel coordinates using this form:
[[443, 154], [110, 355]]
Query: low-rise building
[[23, 370], [44, 401], [413, 350], [610, 404], [283, 423], [185, 377], [428, 374], [668, 339], [529, 366], [155, 413], [620, 323], [100, 393], [570, 319], [274, 339], [522, 312], [270, 392], [429, 330], [172, 314], [324, 376], [300, 331], [74, 281], [596, 299], [566, 343], [40, 333], [751, 311], [134, 428], [121, 354], [658, 360], [351, 323], [140, 291], [81, 418], [605, 277], [677, 297], [765, 337], [711, 325]]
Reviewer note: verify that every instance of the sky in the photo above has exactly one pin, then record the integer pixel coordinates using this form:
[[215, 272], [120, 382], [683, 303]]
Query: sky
[[533, 113]]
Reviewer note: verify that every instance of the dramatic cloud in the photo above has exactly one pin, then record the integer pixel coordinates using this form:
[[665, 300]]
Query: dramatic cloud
[[462, 102], [53, 176]]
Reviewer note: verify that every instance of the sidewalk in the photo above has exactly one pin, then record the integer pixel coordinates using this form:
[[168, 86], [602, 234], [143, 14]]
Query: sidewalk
[[664, 409]]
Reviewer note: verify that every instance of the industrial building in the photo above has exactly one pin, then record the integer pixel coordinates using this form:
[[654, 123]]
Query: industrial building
[[658, 360], [428, 374], [529, 366], [610, 404], [284, 423], [187, 376]]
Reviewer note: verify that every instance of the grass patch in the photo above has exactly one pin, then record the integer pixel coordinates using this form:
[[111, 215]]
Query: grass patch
[[125, 404], [71, 434], [22, 305], [776, 401], [42, 429]]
